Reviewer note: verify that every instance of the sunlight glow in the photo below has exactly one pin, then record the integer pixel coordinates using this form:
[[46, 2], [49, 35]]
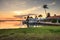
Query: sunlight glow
[[17, 12]]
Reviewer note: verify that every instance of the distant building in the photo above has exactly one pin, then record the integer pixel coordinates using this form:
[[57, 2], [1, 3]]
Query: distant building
[[54, 19]]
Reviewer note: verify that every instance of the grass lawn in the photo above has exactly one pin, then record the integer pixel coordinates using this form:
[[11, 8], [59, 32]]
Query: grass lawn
[[37, 33]]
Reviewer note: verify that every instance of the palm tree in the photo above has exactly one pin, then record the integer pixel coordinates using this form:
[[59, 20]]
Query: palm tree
[[40, 16], [45, 7]]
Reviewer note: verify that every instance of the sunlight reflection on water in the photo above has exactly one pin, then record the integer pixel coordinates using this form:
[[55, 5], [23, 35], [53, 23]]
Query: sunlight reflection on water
[[12, 24], [15, 24]]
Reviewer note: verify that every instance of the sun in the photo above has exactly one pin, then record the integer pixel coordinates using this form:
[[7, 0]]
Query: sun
[[17, 12]]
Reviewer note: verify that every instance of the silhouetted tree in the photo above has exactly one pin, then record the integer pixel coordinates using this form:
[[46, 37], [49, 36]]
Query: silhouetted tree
[[54, 14], [35, 16], [48, 15], [45, 7], [40, 15], [24, 17], [30, 17], [27, 21]]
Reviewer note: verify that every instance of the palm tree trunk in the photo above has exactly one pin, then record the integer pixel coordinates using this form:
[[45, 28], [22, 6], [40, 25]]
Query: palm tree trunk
[[45, 11]]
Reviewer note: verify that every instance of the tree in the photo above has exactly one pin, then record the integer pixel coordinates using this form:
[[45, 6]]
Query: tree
[[54, 14], [24, 17], [36, 17], [48, 15], [45, 7], [27, 21], [40, 15]]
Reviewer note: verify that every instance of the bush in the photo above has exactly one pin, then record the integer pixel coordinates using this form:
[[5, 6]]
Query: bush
[[54, 21], [59, 21]]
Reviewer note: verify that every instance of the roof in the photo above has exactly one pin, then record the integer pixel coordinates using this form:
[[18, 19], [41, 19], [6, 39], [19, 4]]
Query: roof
[[54, 17]]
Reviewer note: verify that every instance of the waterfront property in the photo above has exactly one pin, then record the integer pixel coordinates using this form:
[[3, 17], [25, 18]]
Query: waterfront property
[[52, 20]]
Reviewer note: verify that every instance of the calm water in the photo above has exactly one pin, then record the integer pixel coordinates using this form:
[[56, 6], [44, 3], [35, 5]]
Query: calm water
[[14, 24]]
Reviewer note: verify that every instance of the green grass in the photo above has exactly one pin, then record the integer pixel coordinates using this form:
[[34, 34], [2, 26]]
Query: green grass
[[38, 33]]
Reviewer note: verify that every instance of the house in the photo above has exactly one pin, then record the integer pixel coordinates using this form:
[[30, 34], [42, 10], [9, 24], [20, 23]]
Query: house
[[54, 19]]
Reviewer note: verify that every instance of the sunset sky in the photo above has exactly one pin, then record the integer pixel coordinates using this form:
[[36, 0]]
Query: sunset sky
[[10, 8]]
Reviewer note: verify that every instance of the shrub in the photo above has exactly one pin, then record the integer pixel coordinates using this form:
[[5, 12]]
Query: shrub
[[54, 21]]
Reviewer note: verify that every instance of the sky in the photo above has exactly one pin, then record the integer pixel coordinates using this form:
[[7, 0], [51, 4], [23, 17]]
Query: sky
[[10, 8]]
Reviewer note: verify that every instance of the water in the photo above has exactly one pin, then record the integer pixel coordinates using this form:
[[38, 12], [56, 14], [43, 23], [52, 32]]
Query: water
[[15, 24], [12, 24]]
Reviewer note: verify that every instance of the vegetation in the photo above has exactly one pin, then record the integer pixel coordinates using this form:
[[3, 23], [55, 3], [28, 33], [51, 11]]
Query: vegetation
[[48, 15], [38, 33], [45, 7], [59, 20], [54, 21]]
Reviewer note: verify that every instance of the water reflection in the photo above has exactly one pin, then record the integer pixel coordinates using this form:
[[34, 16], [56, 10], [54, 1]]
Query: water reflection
[[15, 24], [12, 24]]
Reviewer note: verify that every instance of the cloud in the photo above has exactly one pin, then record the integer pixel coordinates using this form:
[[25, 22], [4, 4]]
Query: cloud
[[27, 11], [32, 9], [20, 16], [11, 5], [53, 3], [23, 3]]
